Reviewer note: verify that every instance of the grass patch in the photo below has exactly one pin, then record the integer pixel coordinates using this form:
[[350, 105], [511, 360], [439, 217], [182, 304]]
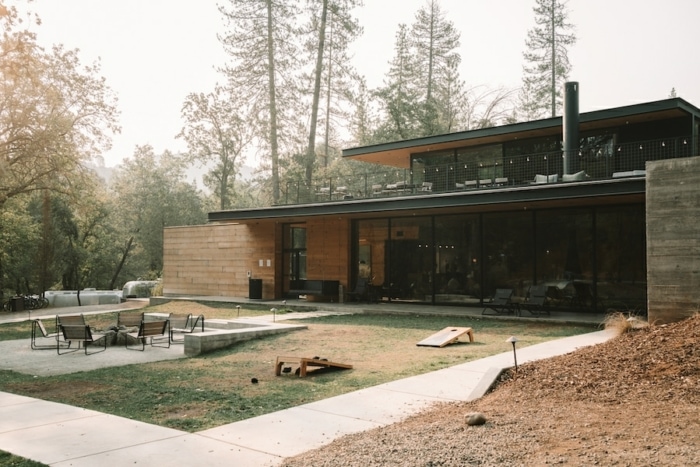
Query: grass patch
[[7, 460], [214, 389]]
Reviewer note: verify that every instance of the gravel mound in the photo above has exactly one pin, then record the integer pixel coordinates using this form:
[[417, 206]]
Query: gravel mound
[[631, 401]]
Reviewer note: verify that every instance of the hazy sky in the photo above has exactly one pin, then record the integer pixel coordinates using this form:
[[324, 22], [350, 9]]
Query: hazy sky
[[155, 52]]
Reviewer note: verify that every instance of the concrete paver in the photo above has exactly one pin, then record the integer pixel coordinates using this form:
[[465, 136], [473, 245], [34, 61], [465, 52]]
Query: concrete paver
[[60, 435]]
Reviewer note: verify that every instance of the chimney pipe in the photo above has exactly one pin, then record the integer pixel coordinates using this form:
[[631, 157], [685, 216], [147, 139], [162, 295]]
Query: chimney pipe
[[571, 124]]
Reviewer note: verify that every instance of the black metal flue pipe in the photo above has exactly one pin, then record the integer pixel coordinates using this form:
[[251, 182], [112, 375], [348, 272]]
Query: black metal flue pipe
[[571, 124]]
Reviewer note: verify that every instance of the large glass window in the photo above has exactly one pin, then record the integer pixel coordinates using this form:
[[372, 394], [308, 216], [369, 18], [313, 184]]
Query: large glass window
[[372, 237], [564, 256], [508, 252], [589, 258], [621, 257], [409, 260], [457, 259], [294, 253]]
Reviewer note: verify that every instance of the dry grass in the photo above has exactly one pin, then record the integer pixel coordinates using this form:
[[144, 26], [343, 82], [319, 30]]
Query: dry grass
[[622, 323], [214, 389]]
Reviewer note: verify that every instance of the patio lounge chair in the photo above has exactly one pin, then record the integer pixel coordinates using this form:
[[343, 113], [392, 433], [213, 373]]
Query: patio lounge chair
[[82, 334], [39, 332], [361, 292], [148, 331], [184, 324], [501, 303], [129, 320], [68, 320], [536, 301]]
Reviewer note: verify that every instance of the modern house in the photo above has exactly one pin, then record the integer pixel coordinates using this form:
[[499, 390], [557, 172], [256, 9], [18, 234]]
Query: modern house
[[449, 219]]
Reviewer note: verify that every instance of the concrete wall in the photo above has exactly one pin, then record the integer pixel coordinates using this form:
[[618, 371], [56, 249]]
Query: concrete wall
[[673, 239], [214, 259]]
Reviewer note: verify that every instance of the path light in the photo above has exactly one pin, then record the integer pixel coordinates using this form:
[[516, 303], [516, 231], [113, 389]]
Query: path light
[[513, 340], [273, 310], [238, 308]]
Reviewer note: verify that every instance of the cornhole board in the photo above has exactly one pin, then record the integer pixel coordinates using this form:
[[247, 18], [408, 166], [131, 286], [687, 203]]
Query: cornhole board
[[447, 336], [304, 363]]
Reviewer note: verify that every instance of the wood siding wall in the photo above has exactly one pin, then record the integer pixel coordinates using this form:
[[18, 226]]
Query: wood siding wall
[[328, 249], [673, 239], [215, 259]]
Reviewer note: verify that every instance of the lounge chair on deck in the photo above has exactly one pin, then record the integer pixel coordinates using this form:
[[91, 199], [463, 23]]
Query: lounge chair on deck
[[501, 303], [536, 301]]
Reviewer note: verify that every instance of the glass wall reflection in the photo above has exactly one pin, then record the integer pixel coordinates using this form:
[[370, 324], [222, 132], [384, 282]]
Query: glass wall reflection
[[590, 259]]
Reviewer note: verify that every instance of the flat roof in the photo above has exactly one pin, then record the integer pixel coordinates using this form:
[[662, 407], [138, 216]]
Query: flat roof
[[398, 153], [609, 191]]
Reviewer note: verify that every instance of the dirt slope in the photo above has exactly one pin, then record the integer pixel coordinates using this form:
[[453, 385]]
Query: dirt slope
[[632, 401]]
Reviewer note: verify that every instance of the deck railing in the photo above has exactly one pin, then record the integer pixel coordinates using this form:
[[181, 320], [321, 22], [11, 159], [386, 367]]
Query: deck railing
[[606, 161]]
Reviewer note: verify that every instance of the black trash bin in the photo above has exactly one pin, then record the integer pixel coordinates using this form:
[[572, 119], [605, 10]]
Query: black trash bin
[[255, 289], [17, 304]]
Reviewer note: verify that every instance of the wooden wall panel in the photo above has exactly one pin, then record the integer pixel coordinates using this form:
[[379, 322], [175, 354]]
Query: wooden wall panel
[[328, 249], [215, 259]]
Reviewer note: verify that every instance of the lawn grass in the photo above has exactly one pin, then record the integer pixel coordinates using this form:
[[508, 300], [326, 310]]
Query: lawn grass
[[7, 460], [214, 389]]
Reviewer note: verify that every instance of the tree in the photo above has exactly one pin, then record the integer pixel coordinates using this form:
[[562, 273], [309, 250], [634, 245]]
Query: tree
[[260, 42], [331, 30], [547, 58], [399, 94], [363, 120], [423, 92], [486, 107], [20, 236], [150, 195], [435, 43], [55, 114], [216, 131]]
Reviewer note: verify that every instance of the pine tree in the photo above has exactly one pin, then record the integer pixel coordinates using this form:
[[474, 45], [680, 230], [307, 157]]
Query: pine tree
[[264, 71], [399, 94], [547, 58], [331, 29], [435, 41]]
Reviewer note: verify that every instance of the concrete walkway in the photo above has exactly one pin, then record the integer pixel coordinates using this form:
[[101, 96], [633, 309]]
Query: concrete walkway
[[61, 435]]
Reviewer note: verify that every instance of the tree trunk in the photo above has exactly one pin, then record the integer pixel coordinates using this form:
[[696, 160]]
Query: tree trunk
[[328, 97], [311, 150], [554, 63], [273, 106], [121, 263]]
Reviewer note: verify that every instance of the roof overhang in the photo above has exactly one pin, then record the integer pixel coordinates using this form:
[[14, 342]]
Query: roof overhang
[[513, 198], [398, 154]]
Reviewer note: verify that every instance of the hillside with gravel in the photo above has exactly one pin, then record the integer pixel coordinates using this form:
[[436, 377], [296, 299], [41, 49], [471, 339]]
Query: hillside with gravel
[[632, 401]]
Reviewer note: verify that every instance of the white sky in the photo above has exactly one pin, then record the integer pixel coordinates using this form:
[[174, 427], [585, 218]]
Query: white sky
[[155, 52]]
